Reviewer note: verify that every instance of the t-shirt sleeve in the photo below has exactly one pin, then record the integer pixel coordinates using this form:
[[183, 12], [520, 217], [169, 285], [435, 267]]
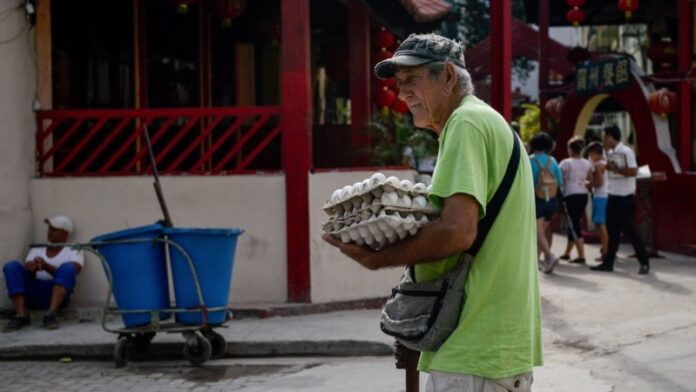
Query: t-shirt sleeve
[[557, 171], [631, 158], [462, 165], [77, 256], [32, 254], [535, 169]]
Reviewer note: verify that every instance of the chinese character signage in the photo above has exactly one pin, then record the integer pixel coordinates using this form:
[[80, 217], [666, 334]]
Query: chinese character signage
[[600, 77]]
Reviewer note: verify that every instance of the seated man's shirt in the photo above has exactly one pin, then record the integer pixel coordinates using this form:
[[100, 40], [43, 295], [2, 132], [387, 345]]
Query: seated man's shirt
[[66, 255]]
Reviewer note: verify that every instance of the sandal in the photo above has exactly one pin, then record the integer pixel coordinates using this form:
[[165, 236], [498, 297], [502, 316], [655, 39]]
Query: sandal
[[564, 257], [578, 260]]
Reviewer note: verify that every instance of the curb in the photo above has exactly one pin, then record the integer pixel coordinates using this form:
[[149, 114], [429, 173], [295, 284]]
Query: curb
[[294, 309], [167, 350]]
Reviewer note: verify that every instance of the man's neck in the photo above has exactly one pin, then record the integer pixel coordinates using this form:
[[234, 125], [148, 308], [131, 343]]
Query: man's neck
[[451, 105], [52, 251]]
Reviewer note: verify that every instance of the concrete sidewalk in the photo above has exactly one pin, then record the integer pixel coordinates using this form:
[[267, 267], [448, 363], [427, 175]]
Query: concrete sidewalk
[[602, 331], [344, 333]]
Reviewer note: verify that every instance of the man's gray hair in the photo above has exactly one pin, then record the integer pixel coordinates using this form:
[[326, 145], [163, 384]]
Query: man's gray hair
[[435, 69]]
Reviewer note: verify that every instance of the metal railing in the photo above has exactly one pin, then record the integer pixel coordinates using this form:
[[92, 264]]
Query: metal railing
[[90, 142]]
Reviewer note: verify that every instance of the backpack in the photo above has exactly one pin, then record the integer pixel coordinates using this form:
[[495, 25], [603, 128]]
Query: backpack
[[546, 186]]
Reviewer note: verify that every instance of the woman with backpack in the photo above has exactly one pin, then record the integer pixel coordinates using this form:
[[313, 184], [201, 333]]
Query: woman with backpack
[[547, 181], [577, 172]]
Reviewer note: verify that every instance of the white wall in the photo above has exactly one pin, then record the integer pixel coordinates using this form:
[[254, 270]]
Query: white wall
[[101, 205], [17, 86], [335, 277]]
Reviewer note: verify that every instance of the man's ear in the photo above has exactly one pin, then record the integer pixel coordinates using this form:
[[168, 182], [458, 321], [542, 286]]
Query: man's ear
[[450, 76]]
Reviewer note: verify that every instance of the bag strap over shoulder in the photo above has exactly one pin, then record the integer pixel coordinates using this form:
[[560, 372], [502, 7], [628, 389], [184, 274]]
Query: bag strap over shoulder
[[493, 206]]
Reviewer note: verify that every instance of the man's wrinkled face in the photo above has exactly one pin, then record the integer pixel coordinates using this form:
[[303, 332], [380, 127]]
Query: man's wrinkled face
[[423, 94]]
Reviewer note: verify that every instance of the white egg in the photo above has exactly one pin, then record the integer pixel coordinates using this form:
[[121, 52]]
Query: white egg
[[377, 178], [419, 202], [406, 185], [389, 198]]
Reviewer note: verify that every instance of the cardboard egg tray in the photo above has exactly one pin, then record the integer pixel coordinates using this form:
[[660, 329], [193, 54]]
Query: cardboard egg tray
[[378, 211]]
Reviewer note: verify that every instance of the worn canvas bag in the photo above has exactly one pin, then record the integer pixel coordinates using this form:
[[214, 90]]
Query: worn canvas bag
[[546, 187], [422, 315]]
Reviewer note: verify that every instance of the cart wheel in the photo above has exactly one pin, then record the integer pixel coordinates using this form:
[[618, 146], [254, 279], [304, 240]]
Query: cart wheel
[[218, 343], [121, 351], [200, 353], [141, 342]]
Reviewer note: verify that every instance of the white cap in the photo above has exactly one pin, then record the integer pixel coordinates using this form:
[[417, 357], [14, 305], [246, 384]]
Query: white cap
[[60, 222]]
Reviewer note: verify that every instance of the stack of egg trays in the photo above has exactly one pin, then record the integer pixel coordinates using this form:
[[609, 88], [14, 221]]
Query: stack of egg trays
[[378, 211]]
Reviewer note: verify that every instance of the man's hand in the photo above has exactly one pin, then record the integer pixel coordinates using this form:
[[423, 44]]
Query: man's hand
[[42, 265], [31, 266], [611, 166], [361, 254]]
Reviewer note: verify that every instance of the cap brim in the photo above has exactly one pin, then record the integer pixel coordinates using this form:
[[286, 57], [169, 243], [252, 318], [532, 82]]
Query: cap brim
[[386, 69]]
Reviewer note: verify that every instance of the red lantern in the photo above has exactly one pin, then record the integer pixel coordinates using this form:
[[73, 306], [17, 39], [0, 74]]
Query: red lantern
[[383, 55], [554, 107], [385, 97], [628, 7], [662, 102], [388, 83], [575, 16], [575, 3], [383, 39], [664, 53], [400, 106]]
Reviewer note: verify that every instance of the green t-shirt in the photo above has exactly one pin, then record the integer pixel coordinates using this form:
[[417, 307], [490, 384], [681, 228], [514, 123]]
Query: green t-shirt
[[499, 332]]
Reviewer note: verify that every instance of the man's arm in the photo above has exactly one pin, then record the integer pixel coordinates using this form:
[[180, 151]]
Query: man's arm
[[626, 171], [595, 178], [51, 269], [453, 232]]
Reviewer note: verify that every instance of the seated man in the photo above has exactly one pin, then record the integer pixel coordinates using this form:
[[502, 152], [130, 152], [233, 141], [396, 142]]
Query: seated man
[[46, 279]]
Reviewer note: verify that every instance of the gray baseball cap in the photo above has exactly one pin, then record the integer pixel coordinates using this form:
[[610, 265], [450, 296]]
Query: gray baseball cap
[[421, 49]]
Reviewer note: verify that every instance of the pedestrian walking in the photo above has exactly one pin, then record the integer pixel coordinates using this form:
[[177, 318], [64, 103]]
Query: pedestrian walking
[[497, 339], [547, 179], [600, 193], [577, 172], [621, 205]]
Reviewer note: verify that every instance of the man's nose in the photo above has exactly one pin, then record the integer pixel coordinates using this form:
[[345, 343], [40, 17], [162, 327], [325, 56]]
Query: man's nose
[[403, 92]]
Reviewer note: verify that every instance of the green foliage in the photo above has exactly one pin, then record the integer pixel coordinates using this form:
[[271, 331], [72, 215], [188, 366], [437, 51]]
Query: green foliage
[[392, 132], [530, 121]]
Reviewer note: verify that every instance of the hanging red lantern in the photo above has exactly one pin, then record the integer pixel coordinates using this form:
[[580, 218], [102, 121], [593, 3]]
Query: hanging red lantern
[[575, 16], [400, 106], [628, 7], [554, 107], [575, 3], [382, 55], [664, 53], [229, 9], [662, 102], [383, 39], [385, 97], [388, 83]]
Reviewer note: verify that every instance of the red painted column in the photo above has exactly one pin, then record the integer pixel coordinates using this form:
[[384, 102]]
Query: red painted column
[[685, 97], [501, 57], [360, 71], [543, 60], [297, 149]]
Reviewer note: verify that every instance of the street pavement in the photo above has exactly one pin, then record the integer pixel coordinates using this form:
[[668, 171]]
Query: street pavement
[[615, 331]]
